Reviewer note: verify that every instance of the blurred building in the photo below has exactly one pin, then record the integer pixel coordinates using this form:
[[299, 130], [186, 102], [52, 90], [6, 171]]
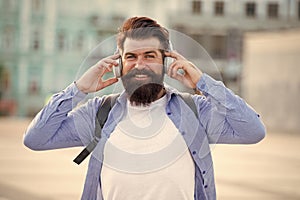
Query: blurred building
[[219, 26], [271, 81], [44, 42]]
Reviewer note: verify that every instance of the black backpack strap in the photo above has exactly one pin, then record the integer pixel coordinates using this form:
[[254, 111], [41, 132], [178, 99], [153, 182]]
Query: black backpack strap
[[103, 112], [189, 101], [101, 117]]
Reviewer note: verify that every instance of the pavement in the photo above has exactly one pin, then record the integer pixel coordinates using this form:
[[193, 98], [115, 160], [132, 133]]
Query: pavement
[[268, 170]]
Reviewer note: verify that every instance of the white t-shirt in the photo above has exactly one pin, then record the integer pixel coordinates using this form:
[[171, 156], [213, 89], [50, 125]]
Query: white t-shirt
[[147, 158]]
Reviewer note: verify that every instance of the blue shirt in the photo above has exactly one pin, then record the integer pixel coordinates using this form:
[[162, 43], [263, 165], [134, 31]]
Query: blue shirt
[[223, 118]]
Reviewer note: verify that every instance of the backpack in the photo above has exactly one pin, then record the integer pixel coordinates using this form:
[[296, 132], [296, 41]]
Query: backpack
[[102, 114]]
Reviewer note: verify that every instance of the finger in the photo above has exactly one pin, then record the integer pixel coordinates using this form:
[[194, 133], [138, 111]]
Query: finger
[[107, 82], [174, 54], [171, 68], [176, 68], [111, 61], [169, 72], [115, 56], [183, 78], [177, 76], [104, 66]]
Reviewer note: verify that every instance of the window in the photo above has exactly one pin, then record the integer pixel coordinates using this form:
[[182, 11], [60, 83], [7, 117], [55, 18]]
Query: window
[[8, 5], [199, 38], [80, 41], [94, 19], [36, 41], [196, 6], [8, 38], [118, 19], [202, 40], [250, 9], [61, 41], [219, 8], [273, 10], [299, 10], [5, 79], [37, 6], [33, 87], [218, 46]]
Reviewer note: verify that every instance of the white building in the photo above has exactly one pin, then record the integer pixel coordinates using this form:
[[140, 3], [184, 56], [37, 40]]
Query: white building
[[220, 25]]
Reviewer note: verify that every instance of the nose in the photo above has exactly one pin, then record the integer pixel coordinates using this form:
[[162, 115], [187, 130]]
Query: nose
[[140, 63]]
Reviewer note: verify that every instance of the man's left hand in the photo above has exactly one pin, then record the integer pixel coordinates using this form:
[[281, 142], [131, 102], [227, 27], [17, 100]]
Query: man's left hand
[[191, 74]]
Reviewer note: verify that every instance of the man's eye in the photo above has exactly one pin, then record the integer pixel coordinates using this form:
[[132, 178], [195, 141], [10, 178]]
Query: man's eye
[[129, 57], [150, 56]]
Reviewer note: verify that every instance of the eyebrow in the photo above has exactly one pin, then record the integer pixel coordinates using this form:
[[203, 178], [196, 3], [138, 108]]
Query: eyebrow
[[147, 52]]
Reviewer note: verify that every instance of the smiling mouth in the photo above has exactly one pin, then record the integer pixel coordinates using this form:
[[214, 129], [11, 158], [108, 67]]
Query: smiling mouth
[[141, 76]]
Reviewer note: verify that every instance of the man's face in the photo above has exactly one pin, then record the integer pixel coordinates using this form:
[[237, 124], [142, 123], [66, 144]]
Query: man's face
[[142, 54], [142, 69]]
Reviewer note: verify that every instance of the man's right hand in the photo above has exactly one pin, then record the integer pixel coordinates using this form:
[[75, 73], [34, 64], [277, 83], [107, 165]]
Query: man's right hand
[[91, 80]]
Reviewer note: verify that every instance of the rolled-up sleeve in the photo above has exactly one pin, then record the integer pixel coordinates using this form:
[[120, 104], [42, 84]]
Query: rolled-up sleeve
[[55, 126], [226, 117]]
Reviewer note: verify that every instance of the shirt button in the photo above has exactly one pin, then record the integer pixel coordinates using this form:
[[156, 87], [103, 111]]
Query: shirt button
[[203, 172], [183, 133], [169, 113], [205, 186], [194, 152], [202, 87]]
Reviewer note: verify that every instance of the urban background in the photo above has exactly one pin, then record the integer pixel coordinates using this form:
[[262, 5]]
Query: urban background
[[255, 45], [43, 43]]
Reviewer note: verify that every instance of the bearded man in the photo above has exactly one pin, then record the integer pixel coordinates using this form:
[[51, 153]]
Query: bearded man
[[152, 145]]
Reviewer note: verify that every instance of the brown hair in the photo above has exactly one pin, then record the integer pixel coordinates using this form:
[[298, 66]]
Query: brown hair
[[142, 28]]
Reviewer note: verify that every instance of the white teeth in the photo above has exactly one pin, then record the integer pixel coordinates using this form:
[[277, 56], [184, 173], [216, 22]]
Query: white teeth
[[141, 76]]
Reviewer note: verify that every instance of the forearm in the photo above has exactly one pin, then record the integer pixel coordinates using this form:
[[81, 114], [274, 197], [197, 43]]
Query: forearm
[[53, 124], [227, 117]]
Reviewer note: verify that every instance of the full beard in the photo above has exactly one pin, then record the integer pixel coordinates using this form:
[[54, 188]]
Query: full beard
[[142, 92]]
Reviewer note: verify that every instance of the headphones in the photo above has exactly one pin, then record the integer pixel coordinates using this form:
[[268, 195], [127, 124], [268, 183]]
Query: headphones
[[117, 70]]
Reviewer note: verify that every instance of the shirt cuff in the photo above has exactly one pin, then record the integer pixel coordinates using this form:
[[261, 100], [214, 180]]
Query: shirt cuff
[[216, 90], [205, 83], [75, 93]]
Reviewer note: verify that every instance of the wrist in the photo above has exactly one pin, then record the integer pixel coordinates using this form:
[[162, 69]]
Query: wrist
[[79, 87]]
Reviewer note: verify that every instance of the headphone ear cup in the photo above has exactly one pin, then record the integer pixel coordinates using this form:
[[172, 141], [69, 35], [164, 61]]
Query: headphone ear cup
[[117, 70], [167, 62], [120, 66]]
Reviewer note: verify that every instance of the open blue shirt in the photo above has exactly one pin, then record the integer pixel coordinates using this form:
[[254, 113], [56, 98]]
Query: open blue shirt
[[223, 118]]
